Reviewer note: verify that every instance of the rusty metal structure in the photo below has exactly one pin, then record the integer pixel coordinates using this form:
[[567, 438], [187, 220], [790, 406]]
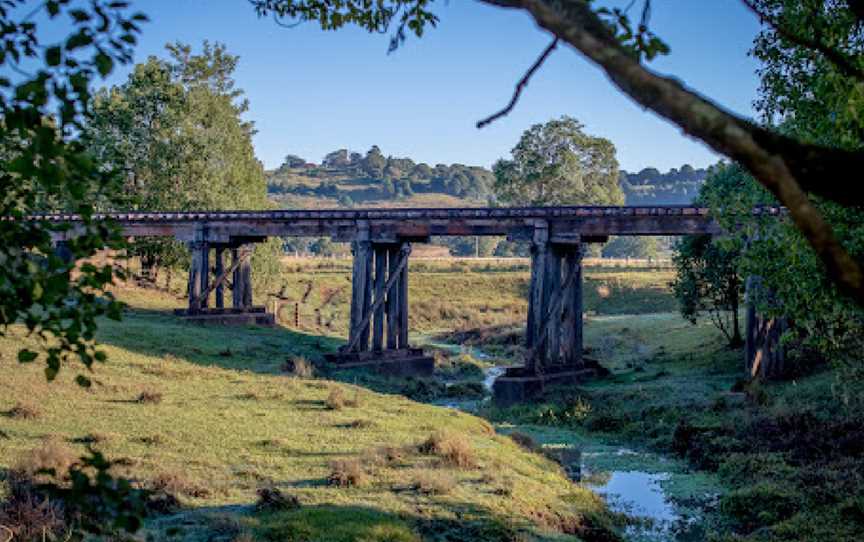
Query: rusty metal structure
[[381, 244]]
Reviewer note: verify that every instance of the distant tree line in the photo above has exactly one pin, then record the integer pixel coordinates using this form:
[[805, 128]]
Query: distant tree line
[[394, 177], [678, 186]]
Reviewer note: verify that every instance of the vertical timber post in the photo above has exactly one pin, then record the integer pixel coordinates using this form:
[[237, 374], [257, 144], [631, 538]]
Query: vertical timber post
[[380, 277], [537, 307], [236, 280], [553, 292], [403, 299], [393, 301], [246, 274], [572, 332], [204, 272], [220, 268], [197, 248], [359, 285]]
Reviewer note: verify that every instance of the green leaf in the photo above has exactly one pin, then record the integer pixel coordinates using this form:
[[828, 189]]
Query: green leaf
[[26, 356], [53, 56], [83, 381], [104, 64]]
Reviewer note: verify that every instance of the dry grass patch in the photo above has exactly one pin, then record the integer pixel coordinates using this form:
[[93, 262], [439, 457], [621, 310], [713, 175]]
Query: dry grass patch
[[386, 456], [337, 400], [270, 499], [149, 397], [53, 456], [299, 367], [174, 482], [23, 411], [361, 424], [347, 473], [454, 449], [431, 482]]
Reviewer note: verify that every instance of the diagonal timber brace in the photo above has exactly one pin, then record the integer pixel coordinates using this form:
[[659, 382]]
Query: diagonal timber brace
[[397, 276], [220, 280]]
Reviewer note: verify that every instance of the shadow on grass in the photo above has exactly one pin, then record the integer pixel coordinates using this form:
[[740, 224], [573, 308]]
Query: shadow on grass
[[335, 523], [257, 349]]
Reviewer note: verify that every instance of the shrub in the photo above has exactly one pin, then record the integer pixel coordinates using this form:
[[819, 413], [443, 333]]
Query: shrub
[[28, 514], [759, 505], [453, 449], [347, 473], [433, 482]]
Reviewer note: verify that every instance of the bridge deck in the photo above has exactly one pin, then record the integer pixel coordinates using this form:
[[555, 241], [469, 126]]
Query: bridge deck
[[517, 222]]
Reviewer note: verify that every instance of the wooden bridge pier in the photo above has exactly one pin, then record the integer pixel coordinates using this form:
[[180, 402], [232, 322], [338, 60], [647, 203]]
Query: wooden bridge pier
[[205, 280], [553, 334], [378, 323]]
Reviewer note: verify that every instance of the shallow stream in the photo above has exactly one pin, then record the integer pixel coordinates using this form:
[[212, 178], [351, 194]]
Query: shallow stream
[[664, 500]]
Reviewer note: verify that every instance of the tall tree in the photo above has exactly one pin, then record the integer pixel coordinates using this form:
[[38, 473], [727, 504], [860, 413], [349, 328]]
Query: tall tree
[[175, 129], [558, 164], [792, 168]]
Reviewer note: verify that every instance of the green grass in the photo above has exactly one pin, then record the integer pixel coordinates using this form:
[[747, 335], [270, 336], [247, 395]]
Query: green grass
[[230, 423]]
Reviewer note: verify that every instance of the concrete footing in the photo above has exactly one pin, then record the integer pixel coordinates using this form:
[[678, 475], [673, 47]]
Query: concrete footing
[[251, 316], [402, 362]]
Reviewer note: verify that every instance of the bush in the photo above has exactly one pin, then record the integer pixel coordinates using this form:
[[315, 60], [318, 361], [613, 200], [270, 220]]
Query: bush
[[759, 505]]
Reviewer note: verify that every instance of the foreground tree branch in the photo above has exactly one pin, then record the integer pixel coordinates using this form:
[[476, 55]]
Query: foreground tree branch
[[520, 86], [835, 56], [787, 167]]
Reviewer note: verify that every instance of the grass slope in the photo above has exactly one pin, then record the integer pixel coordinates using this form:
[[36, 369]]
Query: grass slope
[[205, 411]]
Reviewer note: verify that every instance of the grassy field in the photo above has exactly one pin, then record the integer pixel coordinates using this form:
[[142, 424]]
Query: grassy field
[[212, 415], [208, 414]]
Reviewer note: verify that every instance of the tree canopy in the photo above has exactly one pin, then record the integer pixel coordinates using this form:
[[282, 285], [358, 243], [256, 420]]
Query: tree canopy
[[558, 164]]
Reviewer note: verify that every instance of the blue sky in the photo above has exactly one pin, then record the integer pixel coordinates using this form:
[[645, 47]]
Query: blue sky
[[312, 91]]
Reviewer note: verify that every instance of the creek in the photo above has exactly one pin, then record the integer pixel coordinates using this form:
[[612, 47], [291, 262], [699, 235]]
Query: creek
[[662, 498]]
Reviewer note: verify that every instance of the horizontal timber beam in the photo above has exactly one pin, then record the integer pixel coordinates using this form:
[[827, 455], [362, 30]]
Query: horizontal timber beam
[[239, 227]]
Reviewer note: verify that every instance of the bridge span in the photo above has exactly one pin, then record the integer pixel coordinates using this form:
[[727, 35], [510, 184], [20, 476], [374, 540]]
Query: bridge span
[[381, 245]]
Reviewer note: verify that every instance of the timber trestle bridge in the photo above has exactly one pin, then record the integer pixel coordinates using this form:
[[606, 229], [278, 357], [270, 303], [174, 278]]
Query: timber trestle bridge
[[381, 244]]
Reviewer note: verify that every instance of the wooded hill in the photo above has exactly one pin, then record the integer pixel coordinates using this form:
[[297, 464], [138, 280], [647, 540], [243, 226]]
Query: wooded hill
[[350, 179], [651, 187]]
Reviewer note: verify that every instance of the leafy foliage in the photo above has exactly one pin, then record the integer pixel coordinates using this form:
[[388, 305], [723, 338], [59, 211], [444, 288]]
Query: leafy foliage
[[99, 502], [558, 164], [174, 128], [707, 281], [44, 167]]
